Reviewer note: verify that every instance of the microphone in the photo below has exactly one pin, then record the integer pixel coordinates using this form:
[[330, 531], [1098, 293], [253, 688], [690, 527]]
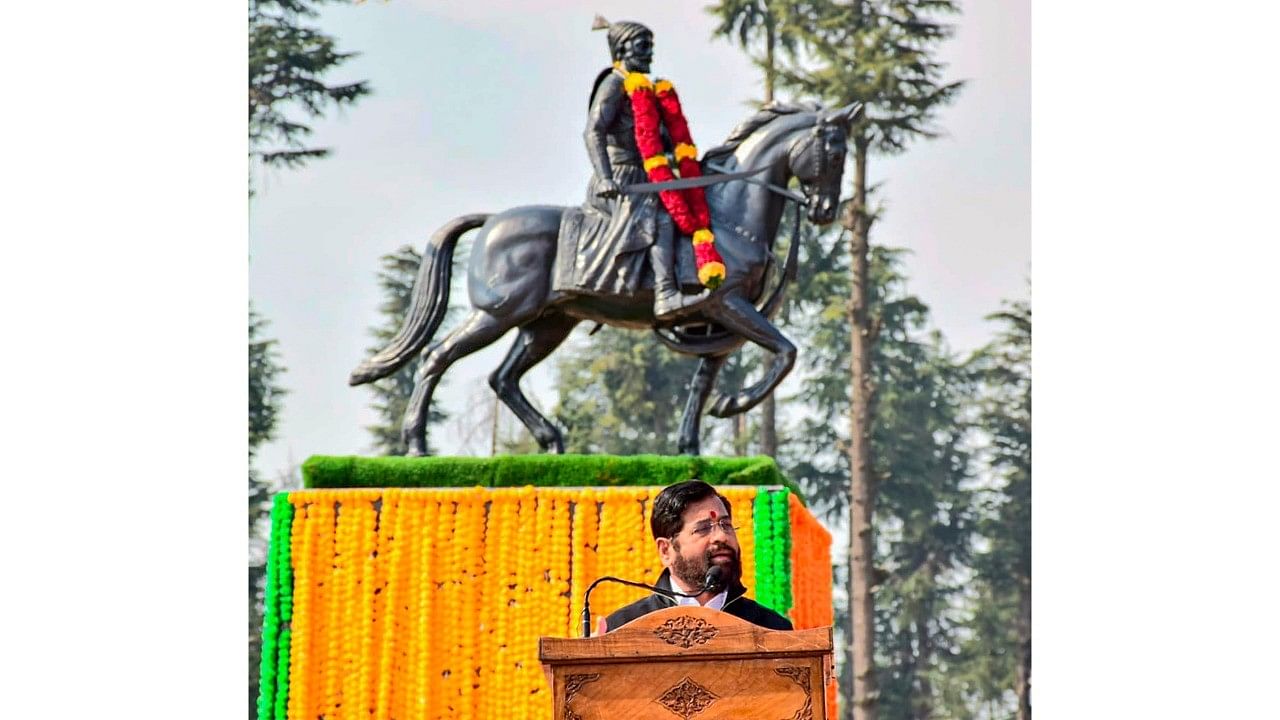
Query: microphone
[[714, 580]]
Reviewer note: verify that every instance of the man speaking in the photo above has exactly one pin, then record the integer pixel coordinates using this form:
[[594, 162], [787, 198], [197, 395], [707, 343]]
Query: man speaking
[[698, 544]]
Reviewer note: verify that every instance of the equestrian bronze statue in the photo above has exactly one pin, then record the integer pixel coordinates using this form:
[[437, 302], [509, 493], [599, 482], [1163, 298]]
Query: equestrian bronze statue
[[621, 260]]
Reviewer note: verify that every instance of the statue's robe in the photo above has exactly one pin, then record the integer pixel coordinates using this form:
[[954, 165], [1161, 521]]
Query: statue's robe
[[603, 243]]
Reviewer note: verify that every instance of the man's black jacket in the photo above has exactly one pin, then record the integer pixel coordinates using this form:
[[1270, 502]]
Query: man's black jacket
[[736, 604]]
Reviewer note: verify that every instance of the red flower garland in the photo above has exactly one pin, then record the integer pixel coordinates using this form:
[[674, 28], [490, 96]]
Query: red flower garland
[[688, 208]]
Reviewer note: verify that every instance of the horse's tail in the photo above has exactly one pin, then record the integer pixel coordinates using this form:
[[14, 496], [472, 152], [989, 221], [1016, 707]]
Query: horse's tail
[[428, 305]]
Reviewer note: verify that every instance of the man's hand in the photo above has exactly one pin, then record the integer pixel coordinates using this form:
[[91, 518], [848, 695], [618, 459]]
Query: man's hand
[[602, 627], [609, 189]]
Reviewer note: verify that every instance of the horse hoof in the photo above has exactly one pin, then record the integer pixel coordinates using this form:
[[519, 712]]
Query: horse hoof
[[360, 375], [723, 406]]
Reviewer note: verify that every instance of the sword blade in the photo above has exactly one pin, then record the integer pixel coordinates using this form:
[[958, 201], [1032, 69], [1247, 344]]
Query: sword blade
[[685, 183]]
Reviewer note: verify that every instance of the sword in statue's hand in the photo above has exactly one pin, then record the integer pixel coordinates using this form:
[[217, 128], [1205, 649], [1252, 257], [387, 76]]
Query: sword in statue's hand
[[720, 176], [686, 183]]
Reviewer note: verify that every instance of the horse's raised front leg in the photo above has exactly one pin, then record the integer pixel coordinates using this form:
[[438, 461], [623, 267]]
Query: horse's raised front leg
[[741, 317], [704, 378], [534, 344], [477, 331]]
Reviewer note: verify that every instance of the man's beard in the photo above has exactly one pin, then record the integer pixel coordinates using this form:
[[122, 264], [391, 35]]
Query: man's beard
[[691, 572], [638, 64]]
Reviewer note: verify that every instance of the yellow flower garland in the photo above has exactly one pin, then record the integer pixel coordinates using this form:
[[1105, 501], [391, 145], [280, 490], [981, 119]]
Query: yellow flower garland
[[431, 605], [741, 502], [302, 552]]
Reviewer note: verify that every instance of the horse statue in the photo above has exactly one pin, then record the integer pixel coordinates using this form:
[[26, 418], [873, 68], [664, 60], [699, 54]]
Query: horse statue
[[513, 260]]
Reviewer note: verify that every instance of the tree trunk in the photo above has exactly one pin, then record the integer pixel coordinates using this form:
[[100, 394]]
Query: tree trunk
[[923, 703], [769, 42], [768, 426], [493, 431], [1023, 682], [769, 409], [861, 492]]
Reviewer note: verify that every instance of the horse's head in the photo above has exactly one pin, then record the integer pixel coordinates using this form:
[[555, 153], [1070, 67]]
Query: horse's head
[[816, 159]]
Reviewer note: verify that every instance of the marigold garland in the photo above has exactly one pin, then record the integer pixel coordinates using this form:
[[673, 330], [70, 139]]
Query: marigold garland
[[782, 533], [377, 594], [741, 502], [302, 542], [273, 684], [389, 550], [765, 556], [811, 578], [654, 106]]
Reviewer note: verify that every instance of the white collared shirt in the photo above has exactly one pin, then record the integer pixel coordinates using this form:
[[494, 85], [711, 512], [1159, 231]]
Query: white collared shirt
[[715, 603]]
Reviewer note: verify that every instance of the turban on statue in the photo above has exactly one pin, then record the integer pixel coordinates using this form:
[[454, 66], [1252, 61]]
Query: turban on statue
[[620, 33]]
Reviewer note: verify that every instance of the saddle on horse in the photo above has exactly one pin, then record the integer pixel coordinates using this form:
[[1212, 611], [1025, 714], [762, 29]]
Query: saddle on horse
[[608, 254]]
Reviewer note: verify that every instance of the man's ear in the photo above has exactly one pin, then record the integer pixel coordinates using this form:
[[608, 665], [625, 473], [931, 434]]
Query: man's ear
[[664, 545]]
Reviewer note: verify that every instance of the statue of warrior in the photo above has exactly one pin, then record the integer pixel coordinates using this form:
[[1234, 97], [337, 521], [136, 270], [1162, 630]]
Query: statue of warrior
[[617, 163]]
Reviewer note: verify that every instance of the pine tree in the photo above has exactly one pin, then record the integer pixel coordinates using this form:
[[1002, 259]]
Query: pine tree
[[762, 28], [1004, 369], [265, 404], [752, 24], [924, 514], [391, 394], [622, 392], [985, 669], [879, 53], [919, 446], [287, 65], [814, 454]]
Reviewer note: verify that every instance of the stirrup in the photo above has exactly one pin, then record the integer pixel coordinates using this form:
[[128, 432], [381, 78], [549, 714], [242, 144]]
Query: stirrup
[[668, 305]]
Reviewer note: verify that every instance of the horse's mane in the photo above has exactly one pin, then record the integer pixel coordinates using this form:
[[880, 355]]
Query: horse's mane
[[762, 117]]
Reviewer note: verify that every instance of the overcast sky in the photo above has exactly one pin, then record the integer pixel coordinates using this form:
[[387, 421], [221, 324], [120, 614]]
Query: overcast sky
[[478, 107]]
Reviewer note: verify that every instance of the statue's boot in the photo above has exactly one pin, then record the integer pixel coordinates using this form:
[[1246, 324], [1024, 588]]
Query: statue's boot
[[668, 301]]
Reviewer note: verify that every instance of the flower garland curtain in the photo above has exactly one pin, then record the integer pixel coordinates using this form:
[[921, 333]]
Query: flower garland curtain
[[408, 603]]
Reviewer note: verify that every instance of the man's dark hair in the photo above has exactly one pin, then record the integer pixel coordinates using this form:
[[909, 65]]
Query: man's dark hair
[[669, 506]]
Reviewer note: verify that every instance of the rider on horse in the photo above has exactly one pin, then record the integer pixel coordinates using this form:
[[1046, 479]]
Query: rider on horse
[[617, 163]]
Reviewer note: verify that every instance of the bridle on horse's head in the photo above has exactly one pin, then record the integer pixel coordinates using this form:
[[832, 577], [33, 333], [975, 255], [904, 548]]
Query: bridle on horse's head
[[816, 153], [817, 161]]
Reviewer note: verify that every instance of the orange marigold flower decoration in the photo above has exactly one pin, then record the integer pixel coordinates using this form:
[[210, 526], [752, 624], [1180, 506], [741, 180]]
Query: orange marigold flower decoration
[[429, 602]]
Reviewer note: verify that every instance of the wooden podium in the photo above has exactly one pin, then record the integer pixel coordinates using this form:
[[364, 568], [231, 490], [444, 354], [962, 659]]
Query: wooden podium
[[689, 663]]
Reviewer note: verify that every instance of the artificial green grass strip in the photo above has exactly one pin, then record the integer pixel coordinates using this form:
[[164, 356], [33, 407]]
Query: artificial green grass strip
[[326, 471]]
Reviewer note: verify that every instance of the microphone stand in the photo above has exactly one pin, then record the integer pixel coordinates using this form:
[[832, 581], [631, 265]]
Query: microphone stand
[[711, 582], [586, 601]]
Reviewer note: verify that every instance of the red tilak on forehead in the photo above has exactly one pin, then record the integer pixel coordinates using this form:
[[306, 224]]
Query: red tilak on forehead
[[714, 514]]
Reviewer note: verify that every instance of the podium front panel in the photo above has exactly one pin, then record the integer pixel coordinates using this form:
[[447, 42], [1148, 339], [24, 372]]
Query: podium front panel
[[781, 689]]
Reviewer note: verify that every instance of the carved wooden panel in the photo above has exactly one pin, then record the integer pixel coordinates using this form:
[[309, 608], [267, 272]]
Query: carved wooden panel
[[572, 685], [800, 675], [686, 631], [698, 690], [687, 698], [690, 664], [693, 630]]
